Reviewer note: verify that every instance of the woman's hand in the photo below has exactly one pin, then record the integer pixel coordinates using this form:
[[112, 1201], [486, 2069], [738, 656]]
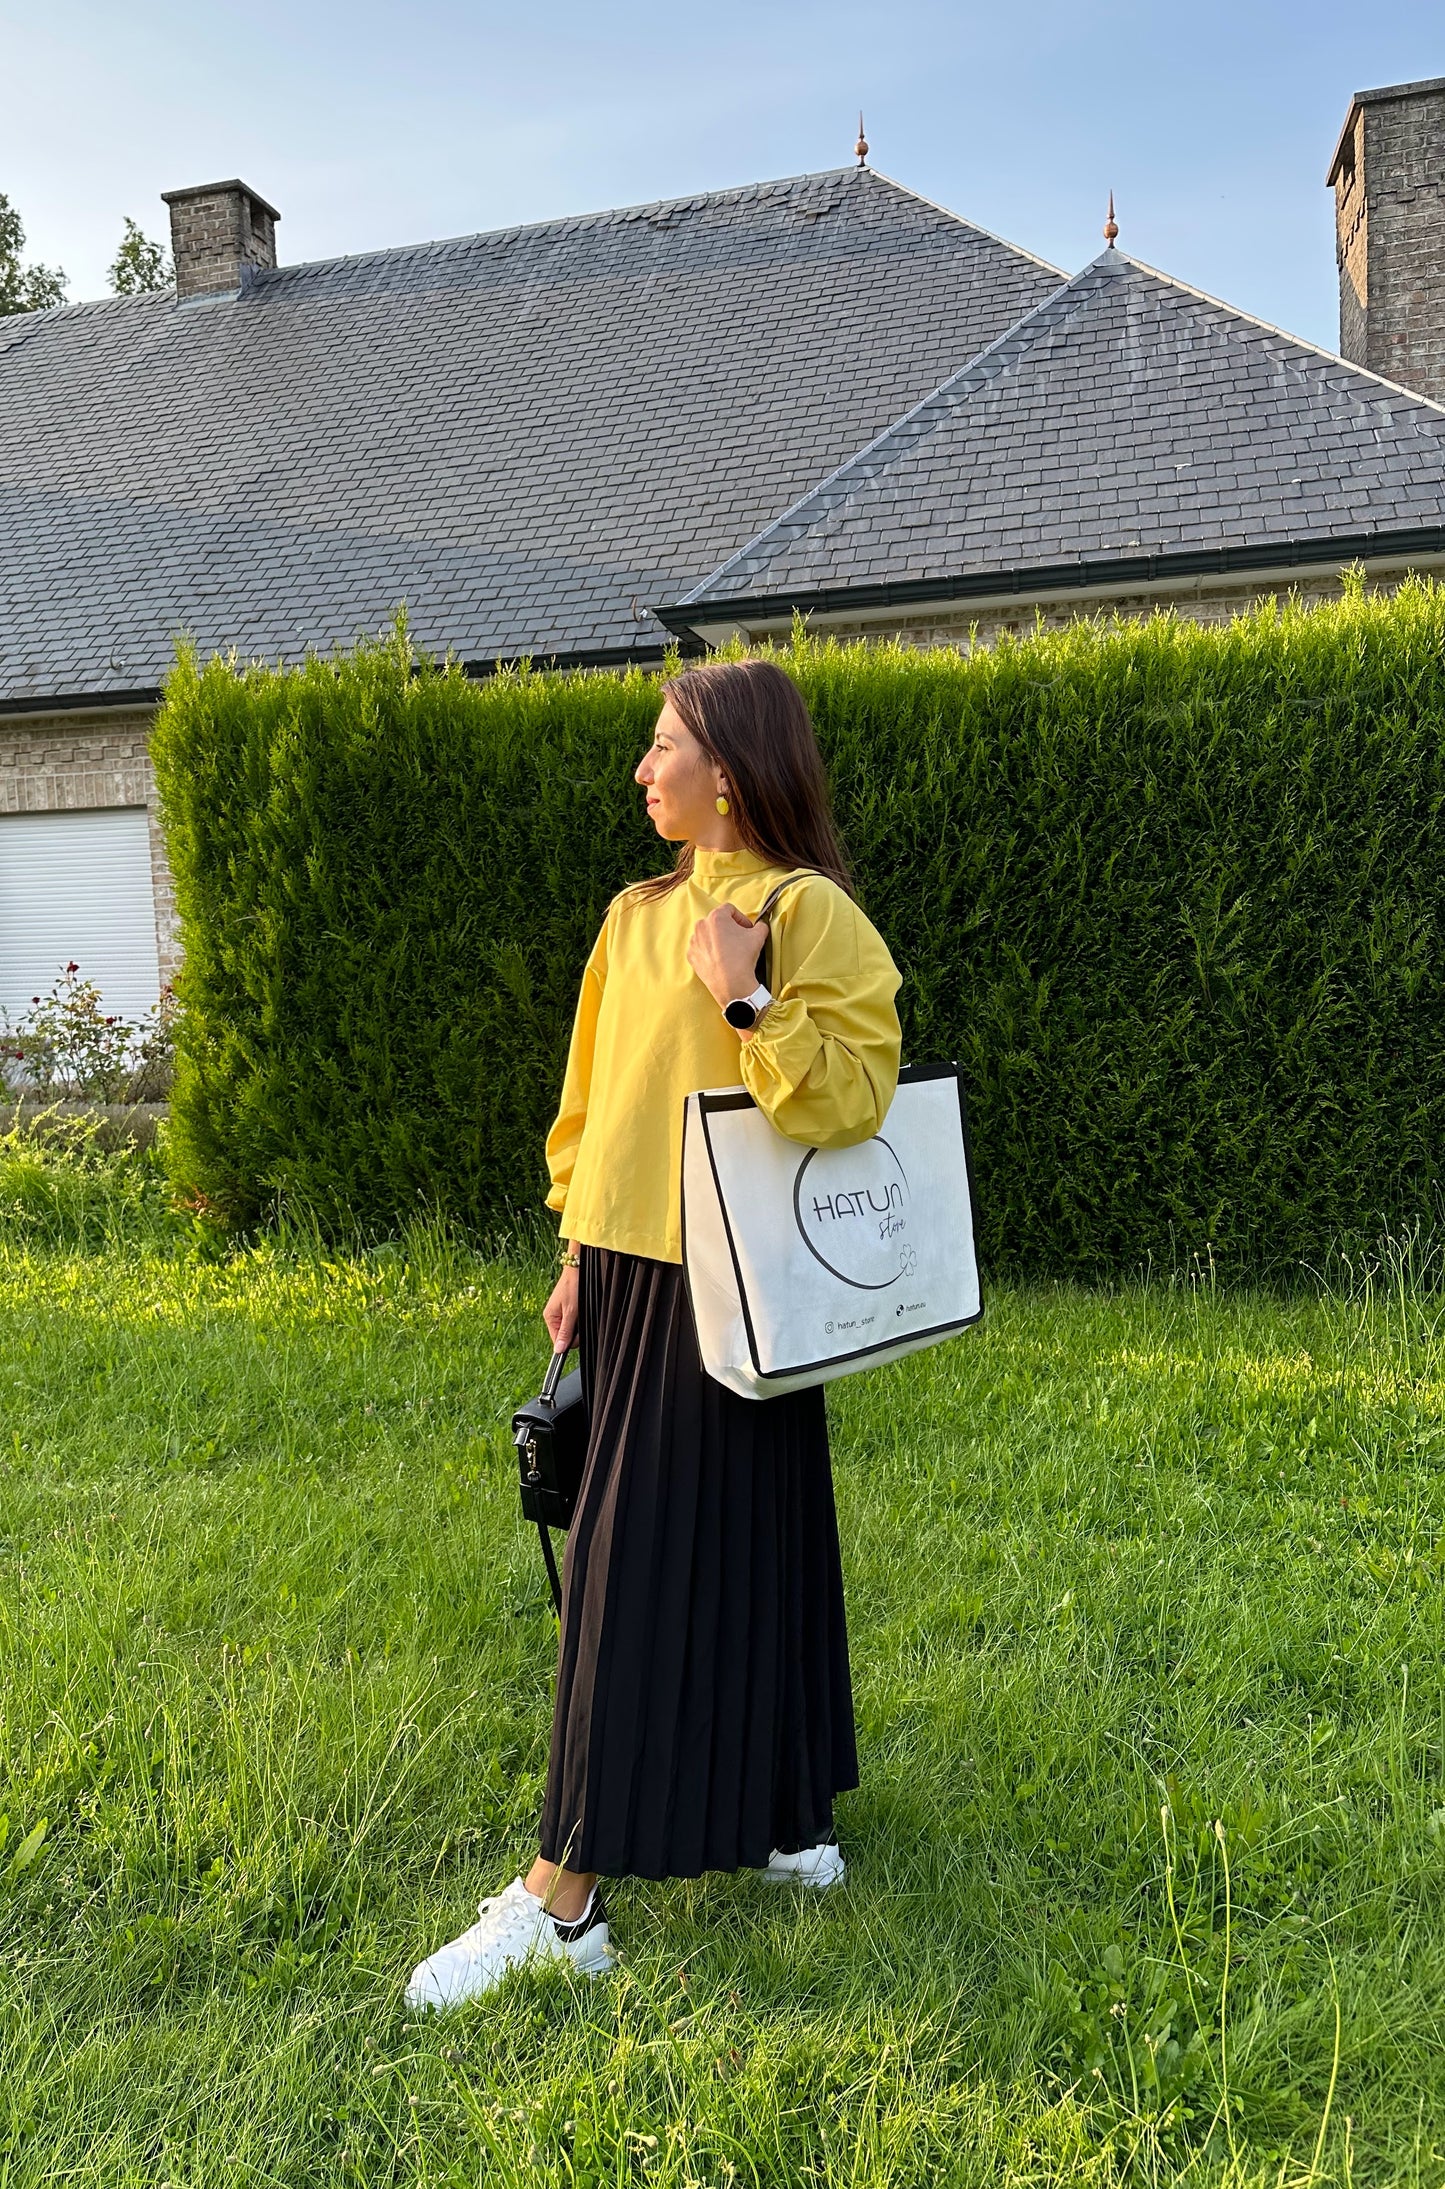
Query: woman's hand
[[560, 1313], [724, 952]]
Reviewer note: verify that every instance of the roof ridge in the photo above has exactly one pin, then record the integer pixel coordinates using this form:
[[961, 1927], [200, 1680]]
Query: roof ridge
[[949, 214], [737, 192], [941, 402], [1301, 342], [982, 367], [604, 213], [77, 304]]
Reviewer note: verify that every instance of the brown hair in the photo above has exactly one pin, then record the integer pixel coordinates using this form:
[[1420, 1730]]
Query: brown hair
[[751, 721]]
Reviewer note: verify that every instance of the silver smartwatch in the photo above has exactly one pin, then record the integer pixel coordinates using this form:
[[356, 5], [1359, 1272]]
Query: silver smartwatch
[[745, 1011]]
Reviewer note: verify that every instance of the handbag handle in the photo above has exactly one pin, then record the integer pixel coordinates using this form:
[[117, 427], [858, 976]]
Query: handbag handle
[[766, 914], [554, 1375]]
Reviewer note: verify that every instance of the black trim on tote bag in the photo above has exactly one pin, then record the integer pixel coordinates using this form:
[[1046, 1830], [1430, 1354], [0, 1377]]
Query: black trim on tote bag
[[738, 1099]]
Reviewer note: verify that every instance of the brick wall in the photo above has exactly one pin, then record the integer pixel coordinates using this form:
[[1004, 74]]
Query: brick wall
[[217, 231], [49, 763], [962, 626], [1389, 181], [1352, 240]]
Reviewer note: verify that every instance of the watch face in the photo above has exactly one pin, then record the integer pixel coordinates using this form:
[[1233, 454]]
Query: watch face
[[740, 1013]]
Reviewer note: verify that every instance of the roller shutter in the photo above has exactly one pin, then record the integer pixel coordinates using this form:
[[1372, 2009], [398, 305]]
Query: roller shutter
[[78, 886]]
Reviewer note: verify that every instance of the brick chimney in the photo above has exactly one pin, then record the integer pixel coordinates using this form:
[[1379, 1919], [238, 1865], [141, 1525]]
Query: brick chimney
[[1388, 176], [219, 230]]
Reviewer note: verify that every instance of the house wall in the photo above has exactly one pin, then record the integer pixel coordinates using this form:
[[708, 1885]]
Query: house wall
[[97, 757], [965, 626]]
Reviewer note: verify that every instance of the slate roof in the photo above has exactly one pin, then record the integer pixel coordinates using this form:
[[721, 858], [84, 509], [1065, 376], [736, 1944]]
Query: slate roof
[[1125, 421], [528, 435]]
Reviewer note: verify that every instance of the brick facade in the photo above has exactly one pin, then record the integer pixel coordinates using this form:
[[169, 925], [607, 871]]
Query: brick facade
[[1388, 175], [964, 626], [51, 763], [1352, 239]]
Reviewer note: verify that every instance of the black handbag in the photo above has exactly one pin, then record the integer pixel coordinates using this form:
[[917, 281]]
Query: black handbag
[[550, 1433]]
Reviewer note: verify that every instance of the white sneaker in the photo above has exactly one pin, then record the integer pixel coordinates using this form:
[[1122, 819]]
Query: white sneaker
[[514, 1929], [816, 1866]]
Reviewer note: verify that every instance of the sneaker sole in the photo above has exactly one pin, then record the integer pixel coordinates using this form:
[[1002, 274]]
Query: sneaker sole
[[589, 1959], [593, 1960], [817, 1881]]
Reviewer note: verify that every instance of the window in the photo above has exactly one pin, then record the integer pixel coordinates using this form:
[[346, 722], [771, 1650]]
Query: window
[[78, 886]]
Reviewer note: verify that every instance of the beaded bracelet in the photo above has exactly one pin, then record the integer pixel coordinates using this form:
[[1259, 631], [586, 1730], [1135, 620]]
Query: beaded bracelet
[[571, 1261]]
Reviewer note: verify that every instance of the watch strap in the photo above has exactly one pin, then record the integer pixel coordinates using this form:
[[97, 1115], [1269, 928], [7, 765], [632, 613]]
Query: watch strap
[[756, 1003]]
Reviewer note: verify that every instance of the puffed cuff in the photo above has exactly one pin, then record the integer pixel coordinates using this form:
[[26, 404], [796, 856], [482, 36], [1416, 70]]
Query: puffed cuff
[[556, 1199], [781, 1053]]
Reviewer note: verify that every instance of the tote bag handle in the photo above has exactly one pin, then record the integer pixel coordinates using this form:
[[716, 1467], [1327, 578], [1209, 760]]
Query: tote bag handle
[[766, 914]]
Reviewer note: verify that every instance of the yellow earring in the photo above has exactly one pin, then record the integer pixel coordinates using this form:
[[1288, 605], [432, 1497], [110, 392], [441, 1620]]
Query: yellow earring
[[723, 807]]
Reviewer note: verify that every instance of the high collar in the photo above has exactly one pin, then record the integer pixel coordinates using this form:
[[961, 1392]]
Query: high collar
[[711, 866]]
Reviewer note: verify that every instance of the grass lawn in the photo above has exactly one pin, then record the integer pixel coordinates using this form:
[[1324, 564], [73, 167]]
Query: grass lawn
[[1146, 1868]]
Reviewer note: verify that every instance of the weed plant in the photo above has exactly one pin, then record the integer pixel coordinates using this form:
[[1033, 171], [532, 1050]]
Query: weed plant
[[60, 1186], [1146, 1868]]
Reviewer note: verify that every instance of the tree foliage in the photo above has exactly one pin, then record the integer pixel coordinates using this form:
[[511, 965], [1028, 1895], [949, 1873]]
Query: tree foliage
[[139, 264], [23, 288]]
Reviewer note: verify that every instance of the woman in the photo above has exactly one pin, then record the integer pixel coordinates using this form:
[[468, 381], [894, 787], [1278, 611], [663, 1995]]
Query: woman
[[704, 1716]]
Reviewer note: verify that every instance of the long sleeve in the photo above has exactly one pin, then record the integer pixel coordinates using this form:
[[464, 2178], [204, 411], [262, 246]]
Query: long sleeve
[[565, 1138], [823, 1064]]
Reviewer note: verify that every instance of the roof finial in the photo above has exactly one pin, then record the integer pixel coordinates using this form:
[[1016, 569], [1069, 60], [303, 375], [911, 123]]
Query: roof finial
[[861, 147], [1111, 226]]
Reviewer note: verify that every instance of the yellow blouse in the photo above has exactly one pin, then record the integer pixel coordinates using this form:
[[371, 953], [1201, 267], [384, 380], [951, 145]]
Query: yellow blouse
[[823, 1063]]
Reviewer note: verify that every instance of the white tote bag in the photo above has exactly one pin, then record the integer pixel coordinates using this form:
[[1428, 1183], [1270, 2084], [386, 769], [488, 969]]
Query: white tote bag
[[804, 1264]]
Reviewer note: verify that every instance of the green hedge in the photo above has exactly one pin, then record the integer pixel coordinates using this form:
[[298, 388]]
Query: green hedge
[[1171, 893]]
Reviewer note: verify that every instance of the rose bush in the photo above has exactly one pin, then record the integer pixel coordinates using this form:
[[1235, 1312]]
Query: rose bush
[[68, 1047]]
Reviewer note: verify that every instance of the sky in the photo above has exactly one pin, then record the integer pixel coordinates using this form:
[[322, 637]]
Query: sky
[[369, 125]]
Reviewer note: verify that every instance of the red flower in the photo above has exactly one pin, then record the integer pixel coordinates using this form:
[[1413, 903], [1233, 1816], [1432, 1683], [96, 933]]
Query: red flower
[[72, 967]]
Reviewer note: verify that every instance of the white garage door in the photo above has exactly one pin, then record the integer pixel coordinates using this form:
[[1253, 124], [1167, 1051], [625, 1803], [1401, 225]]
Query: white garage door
[[78, 886]]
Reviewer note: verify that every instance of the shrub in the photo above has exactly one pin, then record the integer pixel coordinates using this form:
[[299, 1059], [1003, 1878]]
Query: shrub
[[389, 877], [1169, 892], [68, 1047]]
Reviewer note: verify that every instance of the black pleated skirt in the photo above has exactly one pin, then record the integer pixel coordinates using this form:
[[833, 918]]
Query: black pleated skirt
[[704, 1714]]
